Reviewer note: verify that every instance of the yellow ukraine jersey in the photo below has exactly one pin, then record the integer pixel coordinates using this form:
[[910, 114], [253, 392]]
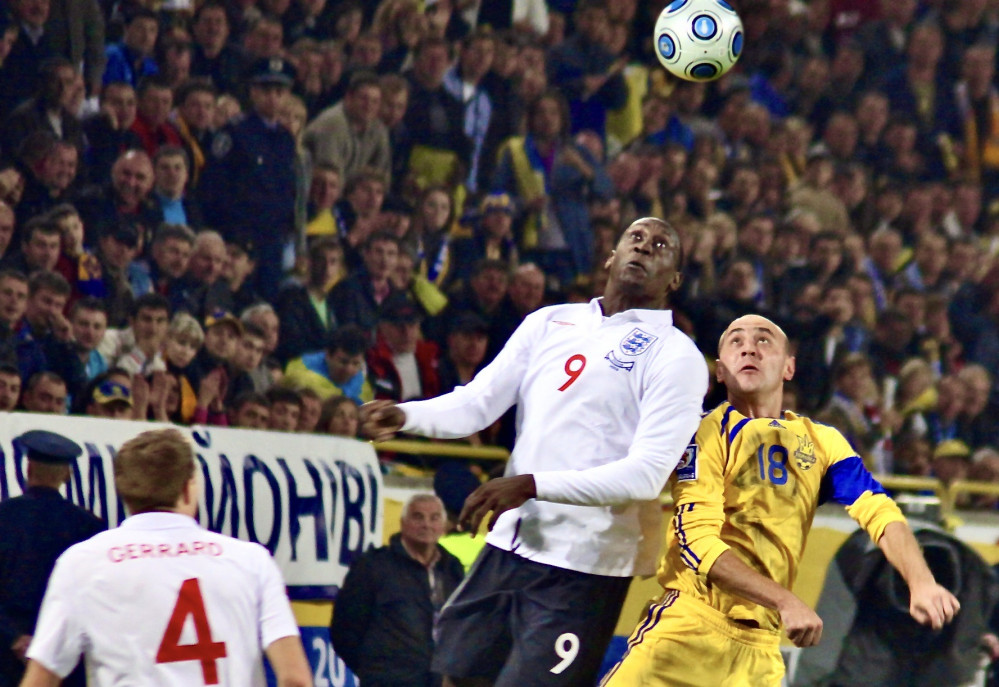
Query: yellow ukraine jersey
[[752, 486]]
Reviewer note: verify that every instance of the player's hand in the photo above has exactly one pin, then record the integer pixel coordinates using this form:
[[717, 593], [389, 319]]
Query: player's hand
[[380, 420], [20, 647], [930, 604], [498, 495], [802, 624]]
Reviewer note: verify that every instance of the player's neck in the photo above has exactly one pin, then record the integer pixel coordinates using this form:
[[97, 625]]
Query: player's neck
[[756, 407], [615, 301]]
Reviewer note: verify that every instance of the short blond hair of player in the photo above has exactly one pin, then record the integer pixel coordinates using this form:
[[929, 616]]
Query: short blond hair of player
[[744, 497], [124, 597]]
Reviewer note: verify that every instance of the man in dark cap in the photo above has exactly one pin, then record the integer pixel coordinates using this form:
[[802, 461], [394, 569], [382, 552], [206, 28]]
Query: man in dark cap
[[35, 529], [248, 187], [401, 364]]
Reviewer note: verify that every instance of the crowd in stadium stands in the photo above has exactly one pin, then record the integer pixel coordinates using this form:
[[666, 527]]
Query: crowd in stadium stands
[[261, 213]]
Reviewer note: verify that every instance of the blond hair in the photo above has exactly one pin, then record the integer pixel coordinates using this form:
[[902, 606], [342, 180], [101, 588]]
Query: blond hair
[[151, 470]]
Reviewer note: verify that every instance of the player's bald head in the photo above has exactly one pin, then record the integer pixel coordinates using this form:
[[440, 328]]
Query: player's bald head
[[754, 323]]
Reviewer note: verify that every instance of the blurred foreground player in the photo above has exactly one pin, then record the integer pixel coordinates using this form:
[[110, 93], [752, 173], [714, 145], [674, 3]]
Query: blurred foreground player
[[160, 600], [745, 495], [608, 394], [35, 529]]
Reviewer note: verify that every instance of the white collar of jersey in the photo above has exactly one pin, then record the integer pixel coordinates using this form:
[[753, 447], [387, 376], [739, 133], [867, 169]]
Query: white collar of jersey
[[158, 520], [663, 318]]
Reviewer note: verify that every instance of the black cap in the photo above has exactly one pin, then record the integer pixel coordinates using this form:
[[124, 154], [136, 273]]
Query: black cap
[[396, 204], [398, 309], [126, 233], [274, 70], [244, 244], [49, 447], [468, 323]]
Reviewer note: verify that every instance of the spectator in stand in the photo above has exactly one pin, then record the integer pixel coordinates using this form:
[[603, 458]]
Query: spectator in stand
[[109, 132], [8, 223], [339, 417], [45, 392], [171, 167], [214, 57], [170, 254], [250, 411], [312, 408], [358, 298], [286, 407], [13, 300], [20, 76], [44, 336], [492, 237], [52, 181], [464, 81], [854, 392], [440, 152], [401, 365], [48, 111], [586, 71], [978, 424], [951, 461], [240, 266], [467, 340], [883, 254], [173, 56], [338, 369], [525, 294], [395, 103], [89, 318], [264, 316], [183, 341], [926, 270], [40, 248], [254, 160], [307, 310], [360, 209], [349, 135], [123, 278], [429, 235], [193, 117], [132, 59], [10, 387], [483, 294], [324, 218], [203, 287], [417, 287], [152, 122], [383, 629], [247, 357], [110, 400], [125, 199], [138, 348]]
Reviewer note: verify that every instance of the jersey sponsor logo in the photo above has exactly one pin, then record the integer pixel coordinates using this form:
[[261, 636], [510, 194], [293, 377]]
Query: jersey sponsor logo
[[617, 363], [774, 423], [804, 456], [637, 342], [686, 469]]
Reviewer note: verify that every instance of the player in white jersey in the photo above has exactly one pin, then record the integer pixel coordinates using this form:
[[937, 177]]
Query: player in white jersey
[[608, 395], [160, 601]]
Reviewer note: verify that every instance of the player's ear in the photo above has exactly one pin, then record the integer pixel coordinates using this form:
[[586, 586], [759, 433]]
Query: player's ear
[[609, 260], [789, 368], [675, 283]]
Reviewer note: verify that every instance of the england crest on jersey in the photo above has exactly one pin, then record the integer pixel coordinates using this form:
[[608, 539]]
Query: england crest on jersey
[[637, 342]]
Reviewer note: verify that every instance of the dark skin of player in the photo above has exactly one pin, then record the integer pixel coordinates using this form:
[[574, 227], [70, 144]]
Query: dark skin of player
[[644, 269]]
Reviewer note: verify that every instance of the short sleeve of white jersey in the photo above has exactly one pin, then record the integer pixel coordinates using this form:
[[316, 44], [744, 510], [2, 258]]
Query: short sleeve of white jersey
[[276, 618], [58, 640]]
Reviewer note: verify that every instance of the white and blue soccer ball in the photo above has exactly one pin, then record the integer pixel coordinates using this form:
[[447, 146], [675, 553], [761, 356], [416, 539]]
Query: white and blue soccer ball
[[698, 40]]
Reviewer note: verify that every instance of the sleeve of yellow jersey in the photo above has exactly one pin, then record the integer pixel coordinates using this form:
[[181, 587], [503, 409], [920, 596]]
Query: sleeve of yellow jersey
[[699, 497], [847, 481]]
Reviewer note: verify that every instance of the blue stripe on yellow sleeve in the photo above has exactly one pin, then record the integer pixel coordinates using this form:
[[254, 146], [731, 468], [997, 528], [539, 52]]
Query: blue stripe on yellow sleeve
[[724, 421], [846, 480], [686, 553], [735, 430]]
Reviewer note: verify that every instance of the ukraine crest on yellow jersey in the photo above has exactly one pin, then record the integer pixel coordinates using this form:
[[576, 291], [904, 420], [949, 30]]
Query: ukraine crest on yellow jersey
[[751, 485]]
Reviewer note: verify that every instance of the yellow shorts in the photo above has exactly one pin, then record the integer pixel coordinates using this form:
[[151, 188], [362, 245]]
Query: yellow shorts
[[684, 642]]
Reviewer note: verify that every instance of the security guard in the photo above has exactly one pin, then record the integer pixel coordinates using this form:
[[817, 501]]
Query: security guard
[[35, 529], [248, 187]]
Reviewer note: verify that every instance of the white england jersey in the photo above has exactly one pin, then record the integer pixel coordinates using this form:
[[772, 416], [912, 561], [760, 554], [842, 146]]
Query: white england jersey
[[160, 601], [606, 407]]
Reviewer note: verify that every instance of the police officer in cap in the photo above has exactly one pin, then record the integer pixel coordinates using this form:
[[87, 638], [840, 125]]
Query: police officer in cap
[[248, 187], [35, 529]]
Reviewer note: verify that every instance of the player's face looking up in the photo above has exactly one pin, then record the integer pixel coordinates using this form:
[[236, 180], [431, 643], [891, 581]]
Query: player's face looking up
[[646, 260], [753, 357]]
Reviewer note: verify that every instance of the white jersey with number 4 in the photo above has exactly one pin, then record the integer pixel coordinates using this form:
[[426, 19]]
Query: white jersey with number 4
[[160, 601], [605, 408]]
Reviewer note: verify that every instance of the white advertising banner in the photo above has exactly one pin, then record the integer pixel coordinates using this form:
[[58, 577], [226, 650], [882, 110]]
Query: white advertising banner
[[314, 501]]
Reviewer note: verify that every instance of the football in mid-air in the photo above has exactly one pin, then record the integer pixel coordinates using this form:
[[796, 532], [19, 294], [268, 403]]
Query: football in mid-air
[[698, 40]]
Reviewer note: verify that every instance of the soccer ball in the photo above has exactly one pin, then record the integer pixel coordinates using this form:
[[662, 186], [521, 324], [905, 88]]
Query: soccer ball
[[698, 40]]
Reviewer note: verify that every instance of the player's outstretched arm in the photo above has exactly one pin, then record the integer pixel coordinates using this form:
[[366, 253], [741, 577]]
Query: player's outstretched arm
[[929, 603], [802, 624], [287, 658], [38, 675], [380, 420]]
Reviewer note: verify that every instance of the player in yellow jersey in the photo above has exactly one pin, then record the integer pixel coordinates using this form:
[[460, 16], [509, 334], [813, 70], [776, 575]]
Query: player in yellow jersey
[[745, 494]]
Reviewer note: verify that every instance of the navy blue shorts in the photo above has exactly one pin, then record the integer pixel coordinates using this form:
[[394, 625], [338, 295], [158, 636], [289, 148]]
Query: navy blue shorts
[[520, 623]]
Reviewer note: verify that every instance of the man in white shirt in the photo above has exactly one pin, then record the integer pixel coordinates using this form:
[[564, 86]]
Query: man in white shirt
[[608, 395], [161, 601]]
